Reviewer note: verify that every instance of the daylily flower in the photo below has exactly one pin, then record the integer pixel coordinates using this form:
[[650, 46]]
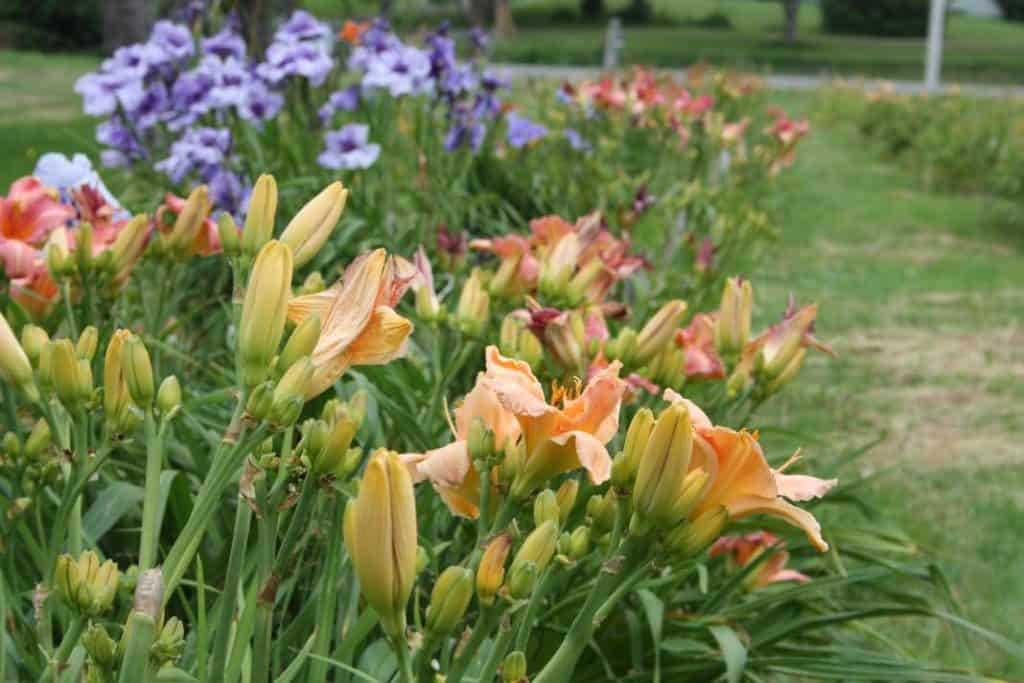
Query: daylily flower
[[207, 239], [698, 340], [352, 31], [449, 468], [561, 434], [741, 480], [30, 211], [742, 550], [519, 267], [360, 325], [775, 349]]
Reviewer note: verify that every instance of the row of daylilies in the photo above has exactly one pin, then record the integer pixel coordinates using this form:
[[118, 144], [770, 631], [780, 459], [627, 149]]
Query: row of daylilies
[[537, 492]]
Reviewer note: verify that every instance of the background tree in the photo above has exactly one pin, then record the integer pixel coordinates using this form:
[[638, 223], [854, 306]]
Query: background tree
[[126, 22], [790, 14]]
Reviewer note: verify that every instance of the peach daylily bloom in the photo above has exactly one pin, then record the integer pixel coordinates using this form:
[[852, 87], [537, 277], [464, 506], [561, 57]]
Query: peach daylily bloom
[[561, 435], [516, 256], [30, 211], [742, 550], [742, 481], [359, 323], [449, 468]]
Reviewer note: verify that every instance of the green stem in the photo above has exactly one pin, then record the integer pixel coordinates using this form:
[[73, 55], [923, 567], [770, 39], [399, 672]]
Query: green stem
[[229, 595], [501, 646], [151, 502], [67, 644], [266, 592], [65, 293], [328, 605], [140, 633], [485, 623], [401, 648], [532, 606], [297, 523]]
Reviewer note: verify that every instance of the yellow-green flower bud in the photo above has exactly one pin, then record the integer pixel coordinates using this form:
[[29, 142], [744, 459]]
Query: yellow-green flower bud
[[689, 540], [579, 542], [659, 331], [88, 340], [227, 231], [300, 343], [513, 669], [531, 350], [601, 510], [290, 389], [693, 489], [83, 247], [474, 304], [259, 220], [664, 465], [566, 494], [264, 310], [334, 457], [583, 279], [100, 647], [639, 432], [508, 335], [168, 396], [11, 445], [522, 577], [732, 326], [490, 573], [170, 643], [138, 372], [380, 533], [422, 559], [65, 374], [623, 347], [86, 585], [260, 400], [545, 508], [481, 441], [314, 223], [449, 600], [313, 283], [38, 440], [539, 546], [116, 401], [33, 339], [58, 260], [190, 221], [15, 367], [787, 373]]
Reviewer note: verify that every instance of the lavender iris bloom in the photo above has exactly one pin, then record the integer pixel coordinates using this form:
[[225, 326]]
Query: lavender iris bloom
[[260, 103], [124, 147], [224, 45], [349, 148], [199, 149], [465, 134], [301, 47], [227, 190], [577, 141], [403, 71], [479, 38], [302, 26], [342, 100], [522, 131], [172, 43]]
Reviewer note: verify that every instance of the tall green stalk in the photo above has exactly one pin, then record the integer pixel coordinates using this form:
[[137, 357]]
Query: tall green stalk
[[151, 502], [328, 600]]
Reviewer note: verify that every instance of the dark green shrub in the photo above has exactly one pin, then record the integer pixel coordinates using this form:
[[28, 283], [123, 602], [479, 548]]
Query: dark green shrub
[[1012, 9], [53, 24], [892, 18], [592, 9]]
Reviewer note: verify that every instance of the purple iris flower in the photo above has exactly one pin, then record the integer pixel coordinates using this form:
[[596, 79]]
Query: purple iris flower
[[479, 39], [224, 45], [123, 146], [284, 58], [465, 134], [198, 149], [522, 131], [349, 148], [261, 103], [173, 42], [102, 92], [303, 26], [577, 141], [342, 100], [227, 190], [149, 109], [459, 79], [403, 71]]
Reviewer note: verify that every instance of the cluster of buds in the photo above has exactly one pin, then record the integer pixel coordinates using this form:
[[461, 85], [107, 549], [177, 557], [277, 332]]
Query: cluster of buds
[[517, 341], [86, 585], [326, 446]]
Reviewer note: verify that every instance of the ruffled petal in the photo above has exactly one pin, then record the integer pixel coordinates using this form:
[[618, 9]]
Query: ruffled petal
[[744, 506]]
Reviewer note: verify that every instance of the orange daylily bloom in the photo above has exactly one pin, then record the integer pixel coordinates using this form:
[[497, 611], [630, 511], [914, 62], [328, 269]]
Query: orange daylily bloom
[[742, 550], [557, 438], [352, 31], [742, 481], [450, 468], [359, 323]]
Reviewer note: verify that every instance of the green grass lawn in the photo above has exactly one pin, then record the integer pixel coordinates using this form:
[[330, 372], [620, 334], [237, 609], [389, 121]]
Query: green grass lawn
[[980, 50], [922, 294]]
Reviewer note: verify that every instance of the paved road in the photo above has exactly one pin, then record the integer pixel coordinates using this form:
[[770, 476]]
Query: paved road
[[526, 71]]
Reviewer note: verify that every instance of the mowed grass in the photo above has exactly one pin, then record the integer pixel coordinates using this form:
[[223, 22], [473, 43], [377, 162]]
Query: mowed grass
[[550, 32], [921, 294]]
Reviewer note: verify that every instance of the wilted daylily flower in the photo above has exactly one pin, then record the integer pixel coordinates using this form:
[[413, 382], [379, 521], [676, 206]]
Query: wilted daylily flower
[[562, 434], [360, 327], [698, 340], [742, 550], [741, 480], [779, 348]]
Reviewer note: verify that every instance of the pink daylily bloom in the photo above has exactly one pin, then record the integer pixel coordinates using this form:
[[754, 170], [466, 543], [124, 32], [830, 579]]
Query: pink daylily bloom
[[30, 211], [742, 550]]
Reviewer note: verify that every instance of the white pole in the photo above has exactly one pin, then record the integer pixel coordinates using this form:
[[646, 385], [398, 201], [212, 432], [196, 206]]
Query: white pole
[[933, 55]]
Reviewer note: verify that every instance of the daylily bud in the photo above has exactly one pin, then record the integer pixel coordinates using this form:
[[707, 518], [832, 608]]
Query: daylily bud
[[85, 348], [692, 490], [86, 585], [10, 445], [671, 367], [558, 267], [380, 533], [15, 367], [314, 437], [115, 392], [539, 546], [449, 600], [301, 343], [333, 459], [314, 222], [427, 305], [46, 368], [313, 283], [490, 574], [522, 577], [660, 330], [259, 219], [100, 647], [787, 373], [583, 279], [190, 220], [138, 372], [290, 389], [579, 543], [561, 339], [545, 508], [664, 465], [530, 349], [128, 247], [263, 311], [732, 328], [601, 511], [474, 304], [481, 441], [623, 347], [33, 339], [83, 247], [422, 559], [227, 231], [513, 670], [38, 440], [633, 450], [168, 396], [58, 260], [689, 540], [508, 336], [566, 499], [260, 400], [170, 643], [65, 370], [738, 380]]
